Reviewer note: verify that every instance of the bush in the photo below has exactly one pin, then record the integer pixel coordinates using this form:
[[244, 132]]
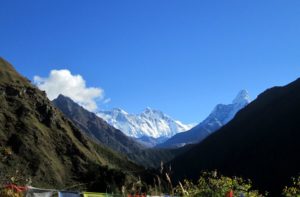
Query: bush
[[294, 190], [10, 193], [210, 184]]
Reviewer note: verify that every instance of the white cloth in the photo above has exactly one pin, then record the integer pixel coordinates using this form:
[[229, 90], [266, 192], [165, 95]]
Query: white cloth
[[37, 192]]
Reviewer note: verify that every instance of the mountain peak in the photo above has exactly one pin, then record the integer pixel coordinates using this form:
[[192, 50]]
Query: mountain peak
[[65, 99], [242, 97], [119, 110], [149, 110], [61, 96]]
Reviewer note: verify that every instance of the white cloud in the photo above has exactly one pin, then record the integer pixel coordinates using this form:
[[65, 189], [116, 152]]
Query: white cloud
[[73, 86]]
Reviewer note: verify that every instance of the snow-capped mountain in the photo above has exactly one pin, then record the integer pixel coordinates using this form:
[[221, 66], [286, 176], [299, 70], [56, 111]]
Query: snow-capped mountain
[[220, 116], [150, 123], [222, 113]]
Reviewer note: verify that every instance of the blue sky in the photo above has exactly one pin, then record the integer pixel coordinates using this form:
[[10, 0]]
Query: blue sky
[[182, 57]]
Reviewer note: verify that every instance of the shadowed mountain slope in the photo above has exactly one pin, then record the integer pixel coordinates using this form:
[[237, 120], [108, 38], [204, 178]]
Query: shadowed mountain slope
[[260, 143]]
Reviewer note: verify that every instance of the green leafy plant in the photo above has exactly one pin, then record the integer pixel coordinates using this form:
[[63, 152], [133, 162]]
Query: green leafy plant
[[293, 190], [10, 193], [210, 184]]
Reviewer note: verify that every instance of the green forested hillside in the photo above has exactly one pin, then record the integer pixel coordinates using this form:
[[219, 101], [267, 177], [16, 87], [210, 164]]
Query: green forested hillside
[[39, 143]]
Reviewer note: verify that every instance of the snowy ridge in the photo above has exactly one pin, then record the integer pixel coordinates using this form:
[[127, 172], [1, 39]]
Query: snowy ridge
[[151, 123], [220, 116], [222, 113]]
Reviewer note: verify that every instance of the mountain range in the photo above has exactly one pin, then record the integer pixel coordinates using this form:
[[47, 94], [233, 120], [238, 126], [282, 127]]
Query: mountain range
[[101, 132], [260, 143], [60, 144], [150, 127], [219, 117]]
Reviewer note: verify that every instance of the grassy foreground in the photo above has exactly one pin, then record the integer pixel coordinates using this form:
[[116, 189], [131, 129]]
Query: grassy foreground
[[210, 184]]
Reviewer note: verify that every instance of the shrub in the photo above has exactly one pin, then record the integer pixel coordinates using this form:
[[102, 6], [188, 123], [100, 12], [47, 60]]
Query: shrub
[[210, 184], [10, 193], [294, 190]]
